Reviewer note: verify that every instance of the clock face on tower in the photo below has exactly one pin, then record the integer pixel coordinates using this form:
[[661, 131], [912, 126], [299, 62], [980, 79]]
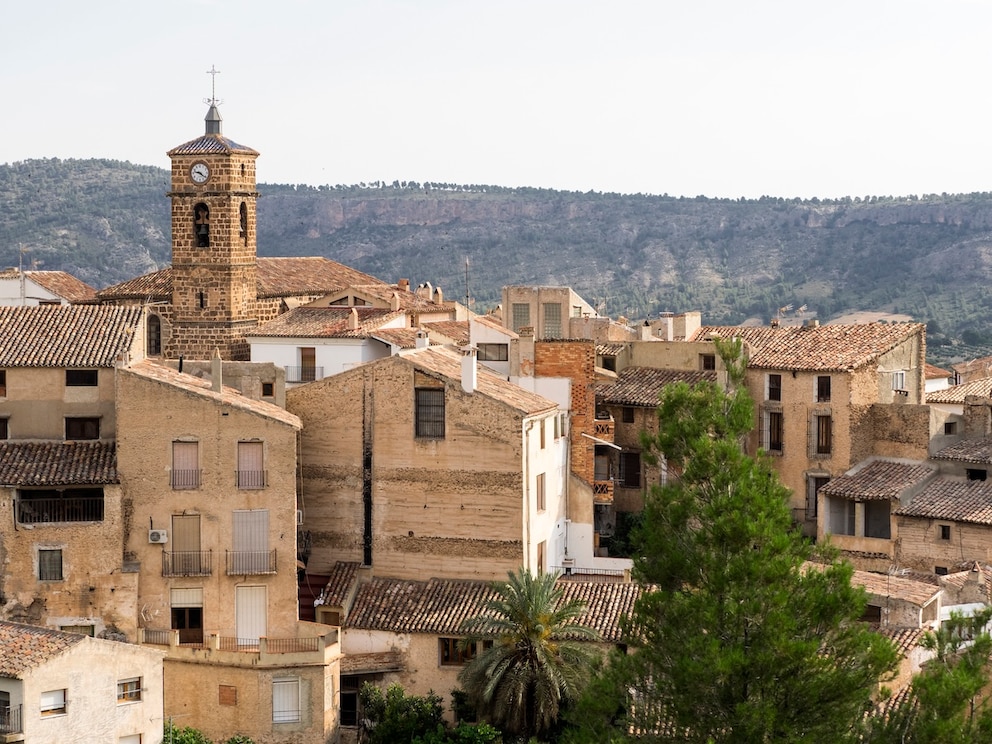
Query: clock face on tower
[[199, 172]]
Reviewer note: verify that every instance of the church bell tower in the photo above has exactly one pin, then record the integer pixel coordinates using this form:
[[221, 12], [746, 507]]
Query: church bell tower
[[214, 290]]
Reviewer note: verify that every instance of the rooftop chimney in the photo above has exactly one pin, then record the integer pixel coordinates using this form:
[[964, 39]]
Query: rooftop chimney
[[353, 319], [422, 340], [216, 372], [470, 371], [403, 285], [394, 302]]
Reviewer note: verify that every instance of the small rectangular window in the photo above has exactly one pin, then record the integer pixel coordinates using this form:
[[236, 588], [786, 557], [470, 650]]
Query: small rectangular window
[[82, 428], [541, 496], [552, 320], [4, 430], [707, 362], [945, 532], [630, 469], [493, 352], [898, 380], [774, 387], [776, 431], [53, 703], [823, 389], [429, 413], [543, 422], [81, 378], [976, 474], [450, 653], [627, 415], [286, 700], [268, 389], [3, 383], [950, 427], [227, 695], [940, 570], [129, 690], [50, 564], [520, 315], [813, 484]]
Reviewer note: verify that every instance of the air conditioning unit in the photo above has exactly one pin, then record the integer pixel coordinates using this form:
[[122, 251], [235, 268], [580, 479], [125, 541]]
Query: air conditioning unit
[[158, 536], [299, 516]]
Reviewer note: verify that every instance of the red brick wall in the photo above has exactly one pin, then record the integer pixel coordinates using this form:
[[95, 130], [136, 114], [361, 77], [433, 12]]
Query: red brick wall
[[575, 360]]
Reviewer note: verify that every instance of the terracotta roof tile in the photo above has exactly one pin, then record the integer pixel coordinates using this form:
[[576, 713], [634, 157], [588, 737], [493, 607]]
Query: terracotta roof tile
[[65, 335], [977, 451], [455, 330], [883, 585], [24, 647], [326, 322], [439, 606], [981, 387], [449, 364], [610, 350], [275, 277], [878, 480], [981, 366], [495, 324], [904, 639], [339, 584], [641, 386], [841, 347], [59, 283], [57, 463], [933, 372], [953, 500], [403, 338]]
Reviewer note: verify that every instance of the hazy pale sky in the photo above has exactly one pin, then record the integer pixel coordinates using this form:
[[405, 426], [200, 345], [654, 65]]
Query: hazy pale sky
[[716, 97]]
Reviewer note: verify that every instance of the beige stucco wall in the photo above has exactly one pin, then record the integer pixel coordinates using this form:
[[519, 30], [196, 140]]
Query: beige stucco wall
[[155, 414], [450, 507], [94, 589], [38, 402], [89, 672]]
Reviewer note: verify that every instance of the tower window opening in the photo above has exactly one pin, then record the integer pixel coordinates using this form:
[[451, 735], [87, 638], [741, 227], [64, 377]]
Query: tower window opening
[[201, 225], [202, 299]]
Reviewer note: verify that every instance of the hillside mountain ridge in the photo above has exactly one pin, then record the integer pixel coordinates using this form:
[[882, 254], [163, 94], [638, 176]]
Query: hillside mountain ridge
[[926, 257]]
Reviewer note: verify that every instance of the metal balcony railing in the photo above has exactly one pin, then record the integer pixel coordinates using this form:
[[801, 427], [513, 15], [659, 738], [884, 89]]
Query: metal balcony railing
[[250, 562], [251, 478], [304, 374], [184, 479], [10, 719], [77, 509], [188, 563]]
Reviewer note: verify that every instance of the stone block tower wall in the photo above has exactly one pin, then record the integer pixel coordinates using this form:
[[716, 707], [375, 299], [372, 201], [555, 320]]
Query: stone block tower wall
[[214, 284]]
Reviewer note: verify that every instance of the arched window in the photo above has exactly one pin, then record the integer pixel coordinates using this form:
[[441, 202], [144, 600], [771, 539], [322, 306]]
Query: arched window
[[244, 222], [201, 225], [154, 335]]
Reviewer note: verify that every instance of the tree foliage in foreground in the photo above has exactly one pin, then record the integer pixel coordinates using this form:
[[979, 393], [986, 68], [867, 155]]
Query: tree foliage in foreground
[[535, 665], [741, 640], [949, 699]]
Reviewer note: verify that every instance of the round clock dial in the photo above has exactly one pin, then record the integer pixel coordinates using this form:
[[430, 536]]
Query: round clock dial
[[199, 172]]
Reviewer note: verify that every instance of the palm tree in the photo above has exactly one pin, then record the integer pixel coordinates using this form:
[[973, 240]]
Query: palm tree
[[537, 661]]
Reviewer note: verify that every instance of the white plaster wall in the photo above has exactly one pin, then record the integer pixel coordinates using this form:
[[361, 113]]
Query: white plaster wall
[[332, 355], [10, 293], [361, 641], [547, 525]]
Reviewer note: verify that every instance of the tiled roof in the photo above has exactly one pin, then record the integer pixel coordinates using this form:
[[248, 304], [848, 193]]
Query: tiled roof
[[953, 500], [403, 338], [275, 277], [57, 463], [210, 144], [933, 372], [981, 366], [455, 330], [407, 300], [904, 639], [610, 349], [203, 387], [439, 606], [842, 347], [641, 386], [494, 323], [59, 283], [65, 335], [24, 647], [339, 583], [878, 480], [978, 451], [896, 587], [326, 322], [449, 364], [956, 393]]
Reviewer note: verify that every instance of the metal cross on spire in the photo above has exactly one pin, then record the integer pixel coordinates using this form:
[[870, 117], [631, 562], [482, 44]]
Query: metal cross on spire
[[213, 72]]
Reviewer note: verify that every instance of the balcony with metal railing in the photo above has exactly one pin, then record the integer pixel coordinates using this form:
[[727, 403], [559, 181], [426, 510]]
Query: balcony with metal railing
[[250, 562], [304, 374], [250, 478], [68, 509], [10, 724], [187, 563], [184, 479]]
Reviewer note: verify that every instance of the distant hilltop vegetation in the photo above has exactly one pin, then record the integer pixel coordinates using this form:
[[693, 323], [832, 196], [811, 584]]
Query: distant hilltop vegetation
[[635, 255]]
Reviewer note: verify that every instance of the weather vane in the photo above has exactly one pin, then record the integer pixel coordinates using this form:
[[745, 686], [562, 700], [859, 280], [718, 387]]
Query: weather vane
[[213, 100]]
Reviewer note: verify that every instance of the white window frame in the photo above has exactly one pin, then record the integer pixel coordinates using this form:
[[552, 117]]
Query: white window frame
[[290, 688], [54, 703], [899, 380]]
